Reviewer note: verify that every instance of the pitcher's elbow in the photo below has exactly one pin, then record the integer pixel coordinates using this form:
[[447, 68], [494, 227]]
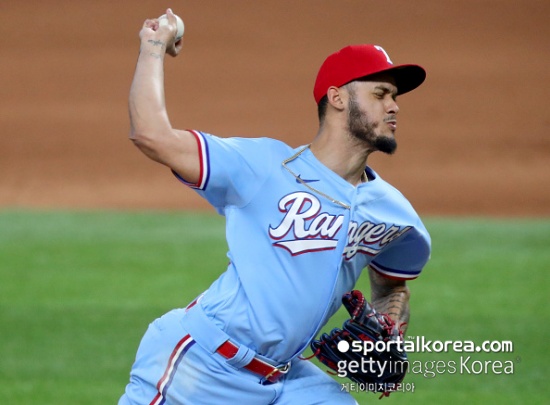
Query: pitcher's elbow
[[142, 137], [145, 144]]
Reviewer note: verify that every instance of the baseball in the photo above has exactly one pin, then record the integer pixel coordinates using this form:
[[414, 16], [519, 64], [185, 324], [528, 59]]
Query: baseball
[[163, 20]]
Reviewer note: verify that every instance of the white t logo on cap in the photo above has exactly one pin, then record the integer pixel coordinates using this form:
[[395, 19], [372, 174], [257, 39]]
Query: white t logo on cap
[[385, 53]]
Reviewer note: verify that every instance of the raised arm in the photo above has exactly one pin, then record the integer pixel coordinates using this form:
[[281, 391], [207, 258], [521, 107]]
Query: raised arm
[[390, 297], [150, 127]]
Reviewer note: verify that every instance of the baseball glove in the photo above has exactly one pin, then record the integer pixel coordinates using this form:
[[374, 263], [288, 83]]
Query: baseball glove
[[378, 370]]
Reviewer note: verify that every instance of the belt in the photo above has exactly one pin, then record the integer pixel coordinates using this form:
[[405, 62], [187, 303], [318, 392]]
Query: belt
[[256, 365]]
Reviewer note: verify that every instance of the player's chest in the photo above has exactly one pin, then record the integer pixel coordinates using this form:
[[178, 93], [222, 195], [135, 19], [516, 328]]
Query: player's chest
[[303, 222]]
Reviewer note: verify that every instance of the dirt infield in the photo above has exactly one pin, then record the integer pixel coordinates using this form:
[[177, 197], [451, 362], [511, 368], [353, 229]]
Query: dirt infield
[[473, 140]]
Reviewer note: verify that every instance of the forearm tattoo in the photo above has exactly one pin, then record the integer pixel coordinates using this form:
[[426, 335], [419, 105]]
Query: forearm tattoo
[[156, 43], [391, 298]]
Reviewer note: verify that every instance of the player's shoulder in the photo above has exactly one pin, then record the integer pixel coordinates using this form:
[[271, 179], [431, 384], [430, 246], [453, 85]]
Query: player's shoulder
[[262, 143], [387, 188], [254, 150], [246, 142], [393, 197]]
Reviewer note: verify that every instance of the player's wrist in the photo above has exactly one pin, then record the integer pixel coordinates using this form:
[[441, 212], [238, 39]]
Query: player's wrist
[[153, 47]]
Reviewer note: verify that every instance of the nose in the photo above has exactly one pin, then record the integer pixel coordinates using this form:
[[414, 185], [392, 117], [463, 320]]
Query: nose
[[392, 107]]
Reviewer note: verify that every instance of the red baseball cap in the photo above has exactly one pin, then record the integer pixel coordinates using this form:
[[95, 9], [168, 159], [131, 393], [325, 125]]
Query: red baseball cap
[[359, 61]]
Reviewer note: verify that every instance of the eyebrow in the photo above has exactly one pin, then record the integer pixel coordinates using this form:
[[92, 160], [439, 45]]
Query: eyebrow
[[386, 89]]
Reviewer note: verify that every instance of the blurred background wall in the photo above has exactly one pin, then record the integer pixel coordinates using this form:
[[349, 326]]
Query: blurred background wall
[[473, 140]]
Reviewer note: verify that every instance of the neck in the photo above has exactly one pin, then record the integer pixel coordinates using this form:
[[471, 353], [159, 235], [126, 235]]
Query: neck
[[345, 156]]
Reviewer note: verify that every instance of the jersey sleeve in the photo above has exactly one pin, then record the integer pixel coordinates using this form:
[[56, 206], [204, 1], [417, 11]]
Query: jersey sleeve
[[232, 170], [405, 257]]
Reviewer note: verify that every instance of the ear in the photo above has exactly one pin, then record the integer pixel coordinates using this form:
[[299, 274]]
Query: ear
[[337, 97]]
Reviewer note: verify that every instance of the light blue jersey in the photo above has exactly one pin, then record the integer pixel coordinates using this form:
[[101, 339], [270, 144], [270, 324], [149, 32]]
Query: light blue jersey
[[299, 236]]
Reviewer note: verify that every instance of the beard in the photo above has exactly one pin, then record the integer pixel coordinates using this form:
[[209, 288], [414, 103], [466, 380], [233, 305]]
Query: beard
[[364, 130]]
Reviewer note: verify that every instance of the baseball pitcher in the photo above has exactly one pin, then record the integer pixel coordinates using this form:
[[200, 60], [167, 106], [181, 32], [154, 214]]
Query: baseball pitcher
[[302, 224]]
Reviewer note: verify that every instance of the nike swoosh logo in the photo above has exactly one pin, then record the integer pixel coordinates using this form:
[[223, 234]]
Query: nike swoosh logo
[[304, 180]]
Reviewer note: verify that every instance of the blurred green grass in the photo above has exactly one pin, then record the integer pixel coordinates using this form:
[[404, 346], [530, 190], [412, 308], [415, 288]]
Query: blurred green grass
[[78, 289]]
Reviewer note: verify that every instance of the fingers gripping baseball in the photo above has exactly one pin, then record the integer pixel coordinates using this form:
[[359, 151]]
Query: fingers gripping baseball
[[171, 19], [166, 30]]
